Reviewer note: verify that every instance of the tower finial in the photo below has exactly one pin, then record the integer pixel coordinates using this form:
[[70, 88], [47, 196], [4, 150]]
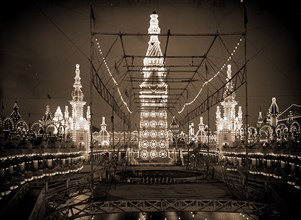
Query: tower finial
[[229, 71]]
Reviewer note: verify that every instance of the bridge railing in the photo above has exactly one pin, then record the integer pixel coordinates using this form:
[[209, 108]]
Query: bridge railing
[[163, 205]]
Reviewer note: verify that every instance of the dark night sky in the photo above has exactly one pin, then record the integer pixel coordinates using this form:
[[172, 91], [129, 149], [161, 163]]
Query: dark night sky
[[38, 55]]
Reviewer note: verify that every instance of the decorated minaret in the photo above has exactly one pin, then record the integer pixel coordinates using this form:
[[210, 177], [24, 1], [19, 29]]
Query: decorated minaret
[[229, 125], [79, 126], [153, 137], [273, 113]]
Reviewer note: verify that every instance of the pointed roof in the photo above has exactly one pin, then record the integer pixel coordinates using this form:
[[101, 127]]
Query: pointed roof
[[103, 124], [260, 118], [58, 115], [47, 117], [77, 94], [154, 55], [15, 115], [174, 122], [274, 109]]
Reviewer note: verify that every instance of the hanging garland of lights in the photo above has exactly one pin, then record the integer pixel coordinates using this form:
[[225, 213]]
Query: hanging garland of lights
[[109, 71], [215, 75]]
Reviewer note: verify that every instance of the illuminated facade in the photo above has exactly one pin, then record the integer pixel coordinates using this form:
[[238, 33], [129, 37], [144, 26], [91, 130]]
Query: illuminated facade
[[229, 126], [153, 135], [79, 125], [277, 127], [102, 137]]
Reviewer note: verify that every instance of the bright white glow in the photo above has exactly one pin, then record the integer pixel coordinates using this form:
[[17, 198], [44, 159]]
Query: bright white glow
[[114, 80], [208, 81], [153, 95]]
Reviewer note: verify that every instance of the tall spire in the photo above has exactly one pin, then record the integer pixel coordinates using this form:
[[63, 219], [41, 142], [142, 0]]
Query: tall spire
[[229, 94], [103, 124], [77, 94], [153, 88], [274, 109], [153, 141], [154, 54]]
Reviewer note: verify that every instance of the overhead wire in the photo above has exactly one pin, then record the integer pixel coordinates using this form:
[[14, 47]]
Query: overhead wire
[[209, 80]]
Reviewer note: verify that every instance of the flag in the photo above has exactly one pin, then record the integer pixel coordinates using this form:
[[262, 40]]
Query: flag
[[126, 93], [48, 96], [28, 115], [2, 106]]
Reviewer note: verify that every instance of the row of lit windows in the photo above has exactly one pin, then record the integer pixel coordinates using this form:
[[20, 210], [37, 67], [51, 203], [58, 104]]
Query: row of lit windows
[[153, 124], [153, 114], [153, 154], [153, 144], [153, 134]]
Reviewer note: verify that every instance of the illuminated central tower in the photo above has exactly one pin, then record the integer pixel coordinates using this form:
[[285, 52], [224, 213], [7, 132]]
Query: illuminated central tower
[[153, 136]]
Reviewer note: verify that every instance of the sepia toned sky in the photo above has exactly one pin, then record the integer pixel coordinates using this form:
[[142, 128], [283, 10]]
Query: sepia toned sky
[[42, 41]]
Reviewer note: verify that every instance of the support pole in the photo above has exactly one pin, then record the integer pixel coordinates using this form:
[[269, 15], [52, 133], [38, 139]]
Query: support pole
[[246, 93], [208, 121], [91, 109]]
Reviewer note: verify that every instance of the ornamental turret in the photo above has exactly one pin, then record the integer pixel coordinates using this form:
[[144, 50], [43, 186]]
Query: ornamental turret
[[259, 120], [79, 125], [273, 113], [229, 125]]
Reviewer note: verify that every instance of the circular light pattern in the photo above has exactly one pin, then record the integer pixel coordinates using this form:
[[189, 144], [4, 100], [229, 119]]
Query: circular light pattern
[[153, 154], [144, 124], [162, 144], [145, 114], [153, 133], [162, 114], [153, 114], [163, 153], [145, 144], [153, 143], [144, 154], [161, 134], [153, 124], [145, 134], [162, 124]]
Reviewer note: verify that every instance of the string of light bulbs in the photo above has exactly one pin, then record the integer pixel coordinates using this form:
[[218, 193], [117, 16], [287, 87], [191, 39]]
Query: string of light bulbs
[[112, 77], [215, 75]]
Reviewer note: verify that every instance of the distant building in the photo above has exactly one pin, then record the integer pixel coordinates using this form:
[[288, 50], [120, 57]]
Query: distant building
[[277, 127], [228, 125], [79, 124]]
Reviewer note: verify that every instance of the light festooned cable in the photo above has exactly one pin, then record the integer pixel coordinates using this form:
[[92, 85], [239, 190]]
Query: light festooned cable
[[112, 77], [215, 75]]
